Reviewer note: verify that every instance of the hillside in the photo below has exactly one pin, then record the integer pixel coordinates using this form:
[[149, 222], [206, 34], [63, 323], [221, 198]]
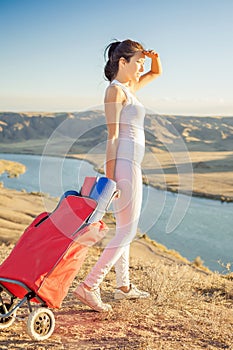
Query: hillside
[[214, 133], [191, 155]]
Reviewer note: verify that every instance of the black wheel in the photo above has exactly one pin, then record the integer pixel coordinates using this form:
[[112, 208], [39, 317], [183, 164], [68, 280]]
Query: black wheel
[[6, 322], [40, 324]]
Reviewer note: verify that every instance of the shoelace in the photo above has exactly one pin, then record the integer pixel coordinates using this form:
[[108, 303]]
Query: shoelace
[[97, 294]]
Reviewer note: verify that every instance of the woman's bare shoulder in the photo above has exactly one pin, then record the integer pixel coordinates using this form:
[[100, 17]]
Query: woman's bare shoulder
[[114, 93]]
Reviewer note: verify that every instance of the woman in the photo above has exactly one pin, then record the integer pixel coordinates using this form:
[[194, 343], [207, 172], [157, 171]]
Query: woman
[[124, 154]]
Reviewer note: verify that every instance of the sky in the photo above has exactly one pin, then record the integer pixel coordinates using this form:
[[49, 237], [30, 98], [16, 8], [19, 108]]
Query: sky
[[52, 53]]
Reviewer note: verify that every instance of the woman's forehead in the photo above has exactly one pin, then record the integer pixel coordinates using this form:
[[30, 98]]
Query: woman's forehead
[[139, 55]]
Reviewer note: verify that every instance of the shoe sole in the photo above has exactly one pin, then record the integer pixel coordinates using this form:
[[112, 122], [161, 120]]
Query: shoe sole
[[84, 301]]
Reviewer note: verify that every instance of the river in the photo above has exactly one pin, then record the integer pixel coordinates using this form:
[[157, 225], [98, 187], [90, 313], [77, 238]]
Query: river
[[192, 226]]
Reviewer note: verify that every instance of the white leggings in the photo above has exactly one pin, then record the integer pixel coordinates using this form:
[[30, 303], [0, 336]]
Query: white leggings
[[127, 211]]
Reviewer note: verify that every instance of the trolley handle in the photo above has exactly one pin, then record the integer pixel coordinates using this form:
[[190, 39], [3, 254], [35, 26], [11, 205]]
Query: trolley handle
[[116, 194]]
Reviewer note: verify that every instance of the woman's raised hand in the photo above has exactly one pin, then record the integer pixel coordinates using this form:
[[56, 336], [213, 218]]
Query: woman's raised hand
[[150, 53]]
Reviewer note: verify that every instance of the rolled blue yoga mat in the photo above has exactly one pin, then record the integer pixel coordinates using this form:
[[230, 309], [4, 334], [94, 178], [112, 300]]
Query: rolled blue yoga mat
[[102, 192]]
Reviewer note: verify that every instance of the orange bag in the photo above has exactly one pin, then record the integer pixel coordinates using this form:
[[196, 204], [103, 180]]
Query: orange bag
[[52, 249]]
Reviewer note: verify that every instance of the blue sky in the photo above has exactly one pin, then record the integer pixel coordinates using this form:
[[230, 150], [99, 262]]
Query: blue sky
[[52, 53]]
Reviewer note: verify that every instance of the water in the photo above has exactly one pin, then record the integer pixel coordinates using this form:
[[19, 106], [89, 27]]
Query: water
[[53, 176], [200, 227]]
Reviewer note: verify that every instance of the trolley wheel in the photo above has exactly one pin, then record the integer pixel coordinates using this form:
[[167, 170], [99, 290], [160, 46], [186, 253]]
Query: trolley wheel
[[7, 321], [40, 324]]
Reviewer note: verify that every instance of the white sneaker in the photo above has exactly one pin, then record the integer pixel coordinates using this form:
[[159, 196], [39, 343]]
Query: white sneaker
[[91, 298], [133, 293]]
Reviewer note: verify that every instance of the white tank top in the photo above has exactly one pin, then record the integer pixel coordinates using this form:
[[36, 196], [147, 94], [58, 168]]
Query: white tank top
[[131, 144]]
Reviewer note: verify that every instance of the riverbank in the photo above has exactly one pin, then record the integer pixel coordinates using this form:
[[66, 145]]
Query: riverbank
[[200, 174], [198, 171], [13, 169]]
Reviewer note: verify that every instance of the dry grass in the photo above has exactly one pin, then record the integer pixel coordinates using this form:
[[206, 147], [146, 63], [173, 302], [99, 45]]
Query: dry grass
[[188, 309], [13, 169]]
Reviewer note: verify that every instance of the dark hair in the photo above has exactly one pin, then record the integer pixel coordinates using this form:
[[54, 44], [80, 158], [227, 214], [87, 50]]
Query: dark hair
[[114, 51]]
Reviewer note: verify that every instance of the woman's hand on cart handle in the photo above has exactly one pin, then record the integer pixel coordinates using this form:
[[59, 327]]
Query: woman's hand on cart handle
[[117, 194]]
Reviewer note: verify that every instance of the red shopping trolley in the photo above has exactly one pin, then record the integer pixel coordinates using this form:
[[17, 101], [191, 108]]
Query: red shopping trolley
[[41, 267]]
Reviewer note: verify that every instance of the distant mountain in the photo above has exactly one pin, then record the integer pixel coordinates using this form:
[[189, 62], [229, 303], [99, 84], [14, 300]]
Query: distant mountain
[[89, 128]]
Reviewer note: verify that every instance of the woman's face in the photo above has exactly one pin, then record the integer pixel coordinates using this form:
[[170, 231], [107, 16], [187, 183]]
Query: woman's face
[[135, 67]]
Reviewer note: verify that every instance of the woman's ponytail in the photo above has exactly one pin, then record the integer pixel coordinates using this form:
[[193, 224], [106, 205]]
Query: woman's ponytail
[[111, 67]]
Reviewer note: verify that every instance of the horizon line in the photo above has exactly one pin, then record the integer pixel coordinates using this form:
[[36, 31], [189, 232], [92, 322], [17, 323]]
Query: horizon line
[[98, 108]]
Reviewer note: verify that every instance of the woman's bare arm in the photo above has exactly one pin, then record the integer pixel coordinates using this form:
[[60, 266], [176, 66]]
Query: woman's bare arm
[[155, 71], [114, 99]]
